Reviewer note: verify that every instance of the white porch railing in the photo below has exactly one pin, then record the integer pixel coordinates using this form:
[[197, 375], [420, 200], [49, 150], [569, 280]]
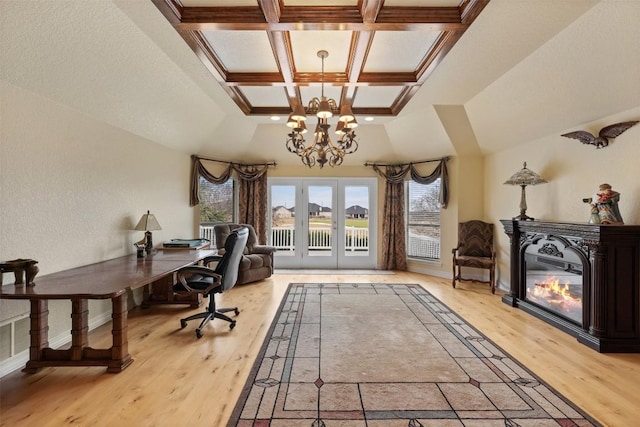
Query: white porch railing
[[283, 238], [423, 246], [356, 239]]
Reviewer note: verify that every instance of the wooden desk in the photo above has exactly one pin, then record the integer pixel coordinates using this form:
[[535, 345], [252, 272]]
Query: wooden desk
[[161, 291], [104, 280]]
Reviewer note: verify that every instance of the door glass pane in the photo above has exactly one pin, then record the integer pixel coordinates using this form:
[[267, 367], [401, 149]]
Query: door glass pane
[[283, 199], [356, 236], [320, 220]]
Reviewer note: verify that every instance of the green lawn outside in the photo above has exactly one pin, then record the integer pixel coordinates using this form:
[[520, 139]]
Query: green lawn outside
[[359, 223]]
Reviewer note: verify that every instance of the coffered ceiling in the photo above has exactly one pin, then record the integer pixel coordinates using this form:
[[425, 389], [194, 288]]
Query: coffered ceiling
[[264, 52]]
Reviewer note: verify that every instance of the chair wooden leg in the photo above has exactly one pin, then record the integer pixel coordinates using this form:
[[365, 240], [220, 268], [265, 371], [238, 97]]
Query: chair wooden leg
[[453, 280], [492, 279]]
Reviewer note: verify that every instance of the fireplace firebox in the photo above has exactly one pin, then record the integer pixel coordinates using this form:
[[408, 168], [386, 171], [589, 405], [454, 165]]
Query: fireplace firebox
[[553, 273], [581, 278]]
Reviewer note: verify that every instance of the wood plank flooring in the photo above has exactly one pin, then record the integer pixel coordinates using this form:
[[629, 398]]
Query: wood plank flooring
[[176, 380]]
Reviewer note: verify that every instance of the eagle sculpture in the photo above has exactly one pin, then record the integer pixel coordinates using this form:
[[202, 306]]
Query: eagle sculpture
[[602, 140]]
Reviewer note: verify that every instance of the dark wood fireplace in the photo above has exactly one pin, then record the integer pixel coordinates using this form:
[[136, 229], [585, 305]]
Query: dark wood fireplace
[[581, 278]]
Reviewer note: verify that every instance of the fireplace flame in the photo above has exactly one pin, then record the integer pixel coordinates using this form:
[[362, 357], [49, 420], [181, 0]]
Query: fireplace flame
[[551, 290]]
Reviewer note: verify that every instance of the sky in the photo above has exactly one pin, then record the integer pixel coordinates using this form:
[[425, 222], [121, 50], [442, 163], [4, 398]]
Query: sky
[[284, 195]]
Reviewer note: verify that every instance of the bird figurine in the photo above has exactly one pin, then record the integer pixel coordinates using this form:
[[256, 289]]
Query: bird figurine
[[602, 140]]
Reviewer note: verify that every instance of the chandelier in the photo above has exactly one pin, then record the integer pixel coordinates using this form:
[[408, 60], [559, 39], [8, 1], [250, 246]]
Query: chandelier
[[322, 149]]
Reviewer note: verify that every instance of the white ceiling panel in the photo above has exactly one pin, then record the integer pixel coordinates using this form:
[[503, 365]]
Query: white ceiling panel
[[242, 51], [406, 48], [265, 96], [306, 44], [376, 96]]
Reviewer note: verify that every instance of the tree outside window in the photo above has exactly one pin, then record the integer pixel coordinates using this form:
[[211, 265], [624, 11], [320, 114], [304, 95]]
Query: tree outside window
[[216, 201], [423, 220]]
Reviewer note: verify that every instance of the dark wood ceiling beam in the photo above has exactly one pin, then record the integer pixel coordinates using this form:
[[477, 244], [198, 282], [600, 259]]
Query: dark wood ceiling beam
[[436, 54], [255, 79], [283, 54], [360, 45], [470, 10], [313, 77], [322, 26], [233, 15], [382, 79], [270, 17], [369, 10], [271, 10], [419, 15]]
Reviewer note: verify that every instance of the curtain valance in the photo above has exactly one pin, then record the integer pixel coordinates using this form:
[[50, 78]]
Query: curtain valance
[[246, 172], [395, 173]]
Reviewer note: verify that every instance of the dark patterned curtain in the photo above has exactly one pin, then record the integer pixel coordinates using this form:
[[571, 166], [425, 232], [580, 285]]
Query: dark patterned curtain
[[394, 249], [252, 197], [252, 190]]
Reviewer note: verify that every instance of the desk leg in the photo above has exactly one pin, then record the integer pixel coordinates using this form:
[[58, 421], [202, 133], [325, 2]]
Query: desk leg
[[39, 332], [120, 357], [79, 327]]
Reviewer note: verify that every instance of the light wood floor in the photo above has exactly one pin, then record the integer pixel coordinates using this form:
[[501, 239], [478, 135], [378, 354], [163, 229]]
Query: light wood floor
[[176, 380]]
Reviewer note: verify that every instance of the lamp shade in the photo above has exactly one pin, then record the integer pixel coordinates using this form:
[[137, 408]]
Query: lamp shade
[[525, 176], [298, 113], [346, 115], [324, 109], [148, 222]]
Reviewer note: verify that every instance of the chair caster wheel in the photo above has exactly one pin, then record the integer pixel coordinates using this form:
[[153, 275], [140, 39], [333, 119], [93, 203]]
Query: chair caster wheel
[[183, 323], [198, 333], [236, 311], [232, 325]]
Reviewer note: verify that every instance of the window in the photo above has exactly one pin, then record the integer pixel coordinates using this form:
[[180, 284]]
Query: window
[[217, 202], [423, 220]]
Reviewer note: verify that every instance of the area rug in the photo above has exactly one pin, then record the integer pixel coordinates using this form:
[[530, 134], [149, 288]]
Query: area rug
[[388, 355], [341, 272]]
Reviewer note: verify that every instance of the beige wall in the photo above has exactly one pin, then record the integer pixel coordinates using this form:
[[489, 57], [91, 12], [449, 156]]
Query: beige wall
[[573, 171], [72, 188]]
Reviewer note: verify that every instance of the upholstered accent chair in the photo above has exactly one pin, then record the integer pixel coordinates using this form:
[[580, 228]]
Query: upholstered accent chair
[[475, 249], [257, 260]]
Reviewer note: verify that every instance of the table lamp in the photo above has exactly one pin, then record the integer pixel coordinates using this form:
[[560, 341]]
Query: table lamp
[[148, 223], [523, 178]]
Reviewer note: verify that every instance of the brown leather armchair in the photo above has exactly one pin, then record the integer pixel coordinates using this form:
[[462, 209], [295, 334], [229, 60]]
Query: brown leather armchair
[[257, 260], [475, 249]]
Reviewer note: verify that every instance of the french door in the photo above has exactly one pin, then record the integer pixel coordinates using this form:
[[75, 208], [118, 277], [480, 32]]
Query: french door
[[323, 223]]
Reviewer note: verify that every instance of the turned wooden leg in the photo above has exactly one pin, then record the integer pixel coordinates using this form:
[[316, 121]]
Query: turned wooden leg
[[39, 332]]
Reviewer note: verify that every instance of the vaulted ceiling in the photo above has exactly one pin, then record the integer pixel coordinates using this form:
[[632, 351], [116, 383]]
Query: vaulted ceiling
[[438, 77]]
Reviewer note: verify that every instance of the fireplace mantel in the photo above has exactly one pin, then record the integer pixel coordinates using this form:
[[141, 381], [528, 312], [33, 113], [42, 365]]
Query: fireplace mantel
[[611, 266]]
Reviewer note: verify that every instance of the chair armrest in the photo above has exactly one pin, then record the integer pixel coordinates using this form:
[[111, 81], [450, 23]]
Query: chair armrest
[[263, 249], [211, 258], [204, 271]]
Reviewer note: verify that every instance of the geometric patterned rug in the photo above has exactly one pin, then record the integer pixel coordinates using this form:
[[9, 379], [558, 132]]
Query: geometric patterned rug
[[388, 355]]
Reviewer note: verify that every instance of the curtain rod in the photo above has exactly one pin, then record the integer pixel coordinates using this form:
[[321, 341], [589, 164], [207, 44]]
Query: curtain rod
[[235, 163], [446, 159]]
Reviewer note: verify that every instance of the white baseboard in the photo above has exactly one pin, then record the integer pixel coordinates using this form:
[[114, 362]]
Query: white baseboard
[[19, 360]]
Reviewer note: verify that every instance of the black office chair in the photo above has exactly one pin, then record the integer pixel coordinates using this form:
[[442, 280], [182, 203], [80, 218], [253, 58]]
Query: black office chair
[[208, 281]]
